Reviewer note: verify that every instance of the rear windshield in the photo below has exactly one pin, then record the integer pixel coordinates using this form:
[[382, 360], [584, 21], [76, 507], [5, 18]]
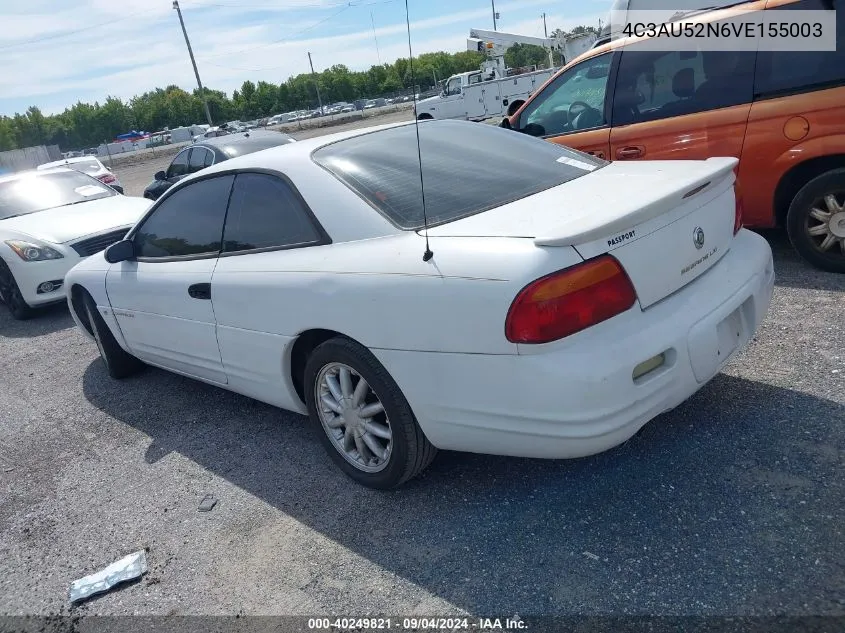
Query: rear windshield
[[467, 168], [254, 144], [35, 192]]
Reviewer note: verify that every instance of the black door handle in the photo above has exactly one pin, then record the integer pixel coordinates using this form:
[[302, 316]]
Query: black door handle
[[200, 291]]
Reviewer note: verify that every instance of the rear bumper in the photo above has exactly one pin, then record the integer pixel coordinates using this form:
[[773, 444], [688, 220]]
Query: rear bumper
[[578, 397]]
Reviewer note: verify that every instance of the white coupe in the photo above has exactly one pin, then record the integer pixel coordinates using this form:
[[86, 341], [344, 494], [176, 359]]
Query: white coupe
[[564, 302], [50, 220]]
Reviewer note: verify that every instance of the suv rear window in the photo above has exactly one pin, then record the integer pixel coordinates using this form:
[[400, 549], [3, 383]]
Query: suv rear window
[[467, 168]]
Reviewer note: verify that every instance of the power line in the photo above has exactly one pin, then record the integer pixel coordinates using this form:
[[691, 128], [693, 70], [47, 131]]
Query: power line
[[56, 36]]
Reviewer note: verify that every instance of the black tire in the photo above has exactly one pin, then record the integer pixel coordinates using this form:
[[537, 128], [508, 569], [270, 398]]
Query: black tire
[[411, 451], [799, 221], [118, 362], [10, 295]]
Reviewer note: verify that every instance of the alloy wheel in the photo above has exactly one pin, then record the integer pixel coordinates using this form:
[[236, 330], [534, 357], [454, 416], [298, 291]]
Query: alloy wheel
[[826, 223], [353, 417]]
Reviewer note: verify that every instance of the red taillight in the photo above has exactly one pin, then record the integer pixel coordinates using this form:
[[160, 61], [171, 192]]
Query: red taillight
[[107, 178], [569, 301], [738, 209]]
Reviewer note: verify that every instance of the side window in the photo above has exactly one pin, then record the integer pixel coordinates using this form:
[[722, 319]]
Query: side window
[[197, 160], [654, 85], [209, 158], [187, 222], [573, 102], [453, 87], [780, 72], [265, 212], [179, 166]]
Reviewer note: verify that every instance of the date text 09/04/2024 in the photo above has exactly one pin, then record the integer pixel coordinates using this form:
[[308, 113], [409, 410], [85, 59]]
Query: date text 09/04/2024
[[416, 624]]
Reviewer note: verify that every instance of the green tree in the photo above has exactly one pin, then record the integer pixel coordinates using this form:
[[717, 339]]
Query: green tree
[[522, 55]]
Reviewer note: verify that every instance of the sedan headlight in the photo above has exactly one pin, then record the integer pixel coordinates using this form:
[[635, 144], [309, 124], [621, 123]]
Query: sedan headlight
[[31, 252]]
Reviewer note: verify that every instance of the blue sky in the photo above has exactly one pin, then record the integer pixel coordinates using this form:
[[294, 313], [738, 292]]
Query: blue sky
[[56, 52]]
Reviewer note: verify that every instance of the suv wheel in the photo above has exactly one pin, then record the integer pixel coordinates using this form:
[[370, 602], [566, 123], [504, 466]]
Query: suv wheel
[[816, 221]]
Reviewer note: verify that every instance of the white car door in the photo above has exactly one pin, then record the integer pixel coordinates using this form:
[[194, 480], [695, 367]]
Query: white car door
[[268, 237], [162, 297], [452, 105]]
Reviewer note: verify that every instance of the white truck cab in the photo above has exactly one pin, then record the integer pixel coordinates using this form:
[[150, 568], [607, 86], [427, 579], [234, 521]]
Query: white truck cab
[[481, 94]]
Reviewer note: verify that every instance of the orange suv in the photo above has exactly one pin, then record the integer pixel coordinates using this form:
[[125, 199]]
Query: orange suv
[[781, 113]]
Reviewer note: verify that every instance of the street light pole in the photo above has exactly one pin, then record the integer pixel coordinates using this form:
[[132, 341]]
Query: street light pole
[[493, 2], [193, 62], [316, 83]]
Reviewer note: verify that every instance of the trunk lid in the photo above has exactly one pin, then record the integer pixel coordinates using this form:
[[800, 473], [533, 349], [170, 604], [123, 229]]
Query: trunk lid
[[667, 222]]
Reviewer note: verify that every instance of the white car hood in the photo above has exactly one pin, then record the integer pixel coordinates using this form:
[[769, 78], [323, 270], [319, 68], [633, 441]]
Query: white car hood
[[65, 224]]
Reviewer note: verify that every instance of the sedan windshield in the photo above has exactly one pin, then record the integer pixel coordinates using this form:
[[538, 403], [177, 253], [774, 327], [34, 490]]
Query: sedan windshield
[[35, 192], [467, 168]]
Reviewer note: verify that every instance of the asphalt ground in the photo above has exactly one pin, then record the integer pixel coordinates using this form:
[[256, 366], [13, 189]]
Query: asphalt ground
[[731, 504]]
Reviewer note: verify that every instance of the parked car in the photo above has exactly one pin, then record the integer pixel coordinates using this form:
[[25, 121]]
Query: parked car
[[781, 113], [51, 219], [548, 305], [212, 132], [347, 108], [88, 165], [370, 104], [210, 152]]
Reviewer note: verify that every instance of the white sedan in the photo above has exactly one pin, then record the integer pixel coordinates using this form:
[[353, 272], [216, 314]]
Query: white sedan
[[90, 165], [49, 221], [564, 301]]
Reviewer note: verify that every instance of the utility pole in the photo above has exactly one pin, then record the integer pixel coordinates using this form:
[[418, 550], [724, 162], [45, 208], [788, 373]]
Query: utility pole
[[316, 83], [193, 62], [546, 33], [493, 2]]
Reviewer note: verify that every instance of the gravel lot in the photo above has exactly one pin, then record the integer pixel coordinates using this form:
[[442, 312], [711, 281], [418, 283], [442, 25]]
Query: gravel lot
[[730, 504], [137, 172]]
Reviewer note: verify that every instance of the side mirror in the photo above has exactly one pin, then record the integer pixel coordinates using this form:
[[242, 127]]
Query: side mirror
[[515, 105], [160, 175], [120, 251], [506, 123]]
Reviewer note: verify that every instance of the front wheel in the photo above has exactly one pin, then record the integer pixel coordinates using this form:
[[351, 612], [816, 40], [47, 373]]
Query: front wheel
[[10, 294], [365, 423], [816, 221], [118, 362]]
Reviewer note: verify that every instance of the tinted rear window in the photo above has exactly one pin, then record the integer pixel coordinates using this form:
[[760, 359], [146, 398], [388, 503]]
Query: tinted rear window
[[244, 146], [467, 168]]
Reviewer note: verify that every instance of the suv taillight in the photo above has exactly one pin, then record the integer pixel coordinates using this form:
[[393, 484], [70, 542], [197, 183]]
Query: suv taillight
[[569, 301], [106, 178]]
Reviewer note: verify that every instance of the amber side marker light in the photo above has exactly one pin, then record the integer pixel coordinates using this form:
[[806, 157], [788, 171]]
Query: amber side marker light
[[568, 301]]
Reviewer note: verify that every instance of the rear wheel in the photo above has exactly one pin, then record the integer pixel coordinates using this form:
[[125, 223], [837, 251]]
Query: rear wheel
[[118, 362], [816, 221], [10, 294], [365, 423]]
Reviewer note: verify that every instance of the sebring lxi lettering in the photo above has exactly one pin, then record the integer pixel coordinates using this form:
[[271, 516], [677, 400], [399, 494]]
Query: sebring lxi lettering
[[613, 241]]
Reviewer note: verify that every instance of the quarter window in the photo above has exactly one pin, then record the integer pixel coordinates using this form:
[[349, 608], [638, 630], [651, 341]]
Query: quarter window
[[573, 102], [187, 222], [265, 213], [783, 72], [655, 85]]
